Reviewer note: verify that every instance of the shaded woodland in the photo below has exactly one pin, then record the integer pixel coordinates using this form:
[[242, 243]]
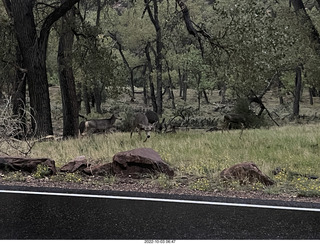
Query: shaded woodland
[[99, 49]]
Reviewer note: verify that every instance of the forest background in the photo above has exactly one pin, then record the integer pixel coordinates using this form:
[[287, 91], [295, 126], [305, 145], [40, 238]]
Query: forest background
[[101, 49]]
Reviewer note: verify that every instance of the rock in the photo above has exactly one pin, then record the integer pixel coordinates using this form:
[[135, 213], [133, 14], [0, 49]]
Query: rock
[[133, 163], [140, 161], [79, 163], [246, 172], [100, 169], [26, 164]]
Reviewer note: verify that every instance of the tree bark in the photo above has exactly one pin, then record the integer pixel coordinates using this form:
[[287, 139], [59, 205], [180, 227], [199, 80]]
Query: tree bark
[[97, 93], [184, 86], [86, 98], [34, 51], [297, 92], [66, 77], [152, 93], [158, 57], [171, 94], [311, 95]]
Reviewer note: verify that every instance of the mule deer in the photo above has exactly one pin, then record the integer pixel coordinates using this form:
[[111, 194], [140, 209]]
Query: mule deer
[[141, 122], [236, 119], [153, 118], [96, 124]]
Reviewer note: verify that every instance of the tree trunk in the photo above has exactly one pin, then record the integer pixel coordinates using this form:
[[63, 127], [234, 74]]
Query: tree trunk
[[145, 87], [98, 96], [280, 86], [34, 51], [158, 56], [171, 94], [184, 86], [86, 98], [198, 77], [205, 96], [180, 83], [66, 77], [311, 95], [297, 92], [152, 93]]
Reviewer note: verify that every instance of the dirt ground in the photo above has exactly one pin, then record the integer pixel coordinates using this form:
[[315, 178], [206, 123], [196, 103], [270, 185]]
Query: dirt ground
[[145, 186]]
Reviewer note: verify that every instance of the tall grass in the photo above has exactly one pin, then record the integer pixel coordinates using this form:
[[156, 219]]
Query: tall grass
[[200, 156], [200, 153]]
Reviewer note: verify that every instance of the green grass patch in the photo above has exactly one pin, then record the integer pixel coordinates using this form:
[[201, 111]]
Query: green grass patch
[[201, 156]]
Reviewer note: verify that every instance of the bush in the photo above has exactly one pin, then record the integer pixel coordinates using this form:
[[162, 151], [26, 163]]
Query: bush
[[42, 171], [127, 120], [242, 106]]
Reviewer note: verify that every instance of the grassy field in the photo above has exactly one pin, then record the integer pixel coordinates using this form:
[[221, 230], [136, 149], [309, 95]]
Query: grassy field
[[200, 156], [197, 156]]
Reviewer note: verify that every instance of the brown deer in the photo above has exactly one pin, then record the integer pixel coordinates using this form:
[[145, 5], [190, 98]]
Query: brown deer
[[92, 125], [141, 122], [153, 119], [236, 119]]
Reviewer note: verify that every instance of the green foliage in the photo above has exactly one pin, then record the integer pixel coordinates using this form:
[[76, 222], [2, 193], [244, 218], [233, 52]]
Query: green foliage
[[164, 182], [242, 106], [73, 177], [14, 176], [202, 184], [7, 53], [42, 171], [109, 180], [302, 185], [126, 122]]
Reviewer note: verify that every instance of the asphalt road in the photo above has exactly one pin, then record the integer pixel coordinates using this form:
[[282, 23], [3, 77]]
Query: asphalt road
[[34, 213]]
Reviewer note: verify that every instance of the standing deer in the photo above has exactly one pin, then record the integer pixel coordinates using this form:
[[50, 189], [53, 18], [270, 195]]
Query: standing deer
[[141, 122], [153, 118], [237, 119], [96, 124]]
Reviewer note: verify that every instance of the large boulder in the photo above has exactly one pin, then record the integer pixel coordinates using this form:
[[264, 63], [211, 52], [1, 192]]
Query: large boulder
[[140, 161], [26, 164], [133, 163], [246, 172]]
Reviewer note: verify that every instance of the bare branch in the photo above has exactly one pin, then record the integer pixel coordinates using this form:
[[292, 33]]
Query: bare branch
[[13, 139]]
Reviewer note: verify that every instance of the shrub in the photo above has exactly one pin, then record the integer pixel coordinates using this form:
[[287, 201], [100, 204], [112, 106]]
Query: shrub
[[242, 106], [42, 171], [127, 120]]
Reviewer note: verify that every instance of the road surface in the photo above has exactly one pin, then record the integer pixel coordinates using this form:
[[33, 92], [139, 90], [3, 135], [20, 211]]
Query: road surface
[[48, 213]]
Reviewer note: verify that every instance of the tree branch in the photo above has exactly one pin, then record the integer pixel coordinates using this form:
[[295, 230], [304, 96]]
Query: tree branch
[[54, 16]]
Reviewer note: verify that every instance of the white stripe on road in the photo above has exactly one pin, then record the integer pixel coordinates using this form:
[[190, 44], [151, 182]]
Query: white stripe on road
[[161, 200]]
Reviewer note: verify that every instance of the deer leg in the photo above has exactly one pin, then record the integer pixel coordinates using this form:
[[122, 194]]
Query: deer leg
[[224, 127], [228, 126], [242, 127]]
